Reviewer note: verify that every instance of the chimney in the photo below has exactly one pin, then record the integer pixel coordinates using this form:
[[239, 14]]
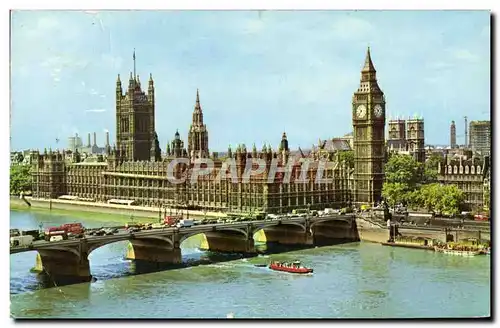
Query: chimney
[[88, 140], [466, 141], [95, 143], [107, 138]]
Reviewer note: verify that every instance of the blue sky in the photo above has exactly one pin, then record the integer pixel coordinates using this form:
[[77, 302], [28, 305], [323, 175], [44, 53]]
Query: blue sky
[[259, 72]]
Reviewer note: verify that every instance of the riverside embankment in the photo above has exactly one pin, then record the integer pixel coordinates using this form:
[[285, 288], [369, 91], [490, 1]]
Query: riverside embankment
[[373, 231], [58, 205], [369, 230]]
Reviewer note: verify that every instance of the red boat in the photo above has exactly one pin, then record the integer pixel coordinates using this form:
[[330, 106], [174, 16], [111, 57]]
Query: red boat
[[294, 267]]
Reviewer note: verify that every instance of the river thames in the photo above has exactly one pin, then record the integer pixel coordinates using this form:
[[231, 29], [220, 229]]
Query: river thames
[[355, 280]]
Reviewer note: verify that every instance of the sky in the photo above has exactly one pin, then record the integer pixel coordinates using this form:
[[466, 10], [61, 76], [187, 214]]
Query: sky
[[259, 73]]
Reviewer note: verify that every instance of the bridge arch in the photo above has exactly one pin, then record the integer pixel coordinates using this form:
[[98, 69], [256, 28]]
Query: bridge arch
[[219, 230], [285, 233], [162, 238], [347, 221], [263, 226]]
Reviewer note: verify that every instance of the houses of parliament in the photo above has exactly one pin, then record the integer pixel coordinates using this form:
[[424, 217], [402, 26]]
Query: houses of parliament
[[135, 169]]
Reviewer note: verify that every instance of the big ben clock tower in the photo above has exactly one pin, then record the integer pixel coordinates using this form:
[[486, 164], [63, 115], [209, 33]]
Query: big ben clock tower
[[368, 119]]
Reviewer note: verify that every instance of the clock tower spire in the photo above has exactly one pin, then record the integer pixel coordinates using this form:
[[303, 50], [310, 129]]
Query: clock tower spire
[[368, 118]]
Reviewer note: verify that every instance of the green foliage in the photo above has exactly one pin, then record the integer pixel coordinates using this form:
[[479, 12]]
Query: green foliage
[[445, 199], [431, 168], [403, 169], [408, 181], [394, 192], [20, 179], [348, 157]]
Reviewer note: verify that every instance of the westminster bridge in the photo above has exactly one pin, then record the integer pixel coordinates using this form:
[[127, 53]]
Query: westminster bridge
[[68, 259]]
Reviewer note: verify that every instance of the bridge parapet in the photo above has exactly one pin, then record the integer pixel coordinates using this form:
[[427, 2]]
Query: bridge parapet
[[69, 258]]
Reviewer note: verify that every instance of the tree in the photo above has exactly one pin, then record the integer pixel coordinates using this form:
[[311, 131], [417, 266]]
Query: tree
[[431, 168], [445, 199], [403, 169], [20, 179], [451, 199], [394, 193], [348, 157]]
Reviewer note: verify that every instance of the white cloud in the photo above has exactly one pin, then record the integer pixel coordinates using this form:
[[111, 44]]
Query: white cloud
[[98, 110], [93, 92]]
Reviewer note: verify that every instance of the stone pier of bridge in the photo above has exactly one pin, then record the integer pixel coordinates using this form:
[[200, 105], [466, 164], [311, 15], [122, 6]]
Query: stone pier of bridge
[[63, 266], [154, 250], [287, 235], [228, 242]]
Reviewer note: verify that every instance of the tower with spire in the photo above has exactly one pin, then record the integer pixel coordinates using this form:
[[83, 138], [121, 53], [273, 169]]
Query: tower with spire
[[135, 119], [368, 117], [198, 134]]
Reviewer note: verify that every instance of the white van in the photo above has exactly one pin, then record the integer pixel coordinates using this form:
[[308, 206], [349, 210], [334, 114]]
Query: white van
[[21, 241], [56, 238]]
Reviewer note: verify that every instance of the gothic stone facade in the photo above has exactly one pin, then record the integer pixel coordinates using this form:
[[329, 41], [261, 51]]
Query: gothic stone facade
[[146, 183], [469, 175], [368, 117], [135, 170]]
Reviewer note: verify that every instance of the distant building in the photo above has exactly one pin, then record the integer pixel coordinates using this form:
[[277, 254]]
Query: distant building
[[480, 137], [396, 140], [416, 138], [453, 135], [407, 137], [75, 143], [468, 173]]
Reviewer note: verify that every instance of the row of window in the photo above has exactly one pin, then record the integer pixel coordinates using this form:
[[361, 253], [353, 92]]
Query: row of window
[[455, 169]]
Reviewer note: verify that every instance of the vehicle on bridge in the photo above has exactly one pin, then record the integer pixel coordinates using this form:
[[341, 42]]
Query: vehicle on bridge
[[294, 267], [70, 229], [73, 229], [184, 223], [55, 235], [15, 232], [21, 241], [171, 220], [157, 226], [37, 234], [346, 210], [481, 217], [300, 212], [110, 231], [327, 211], [134, 228]]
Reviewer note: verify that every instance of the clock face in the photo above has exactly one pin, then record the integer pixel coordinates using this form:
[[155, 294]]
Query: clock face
[[361, 111], [378, 111]]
